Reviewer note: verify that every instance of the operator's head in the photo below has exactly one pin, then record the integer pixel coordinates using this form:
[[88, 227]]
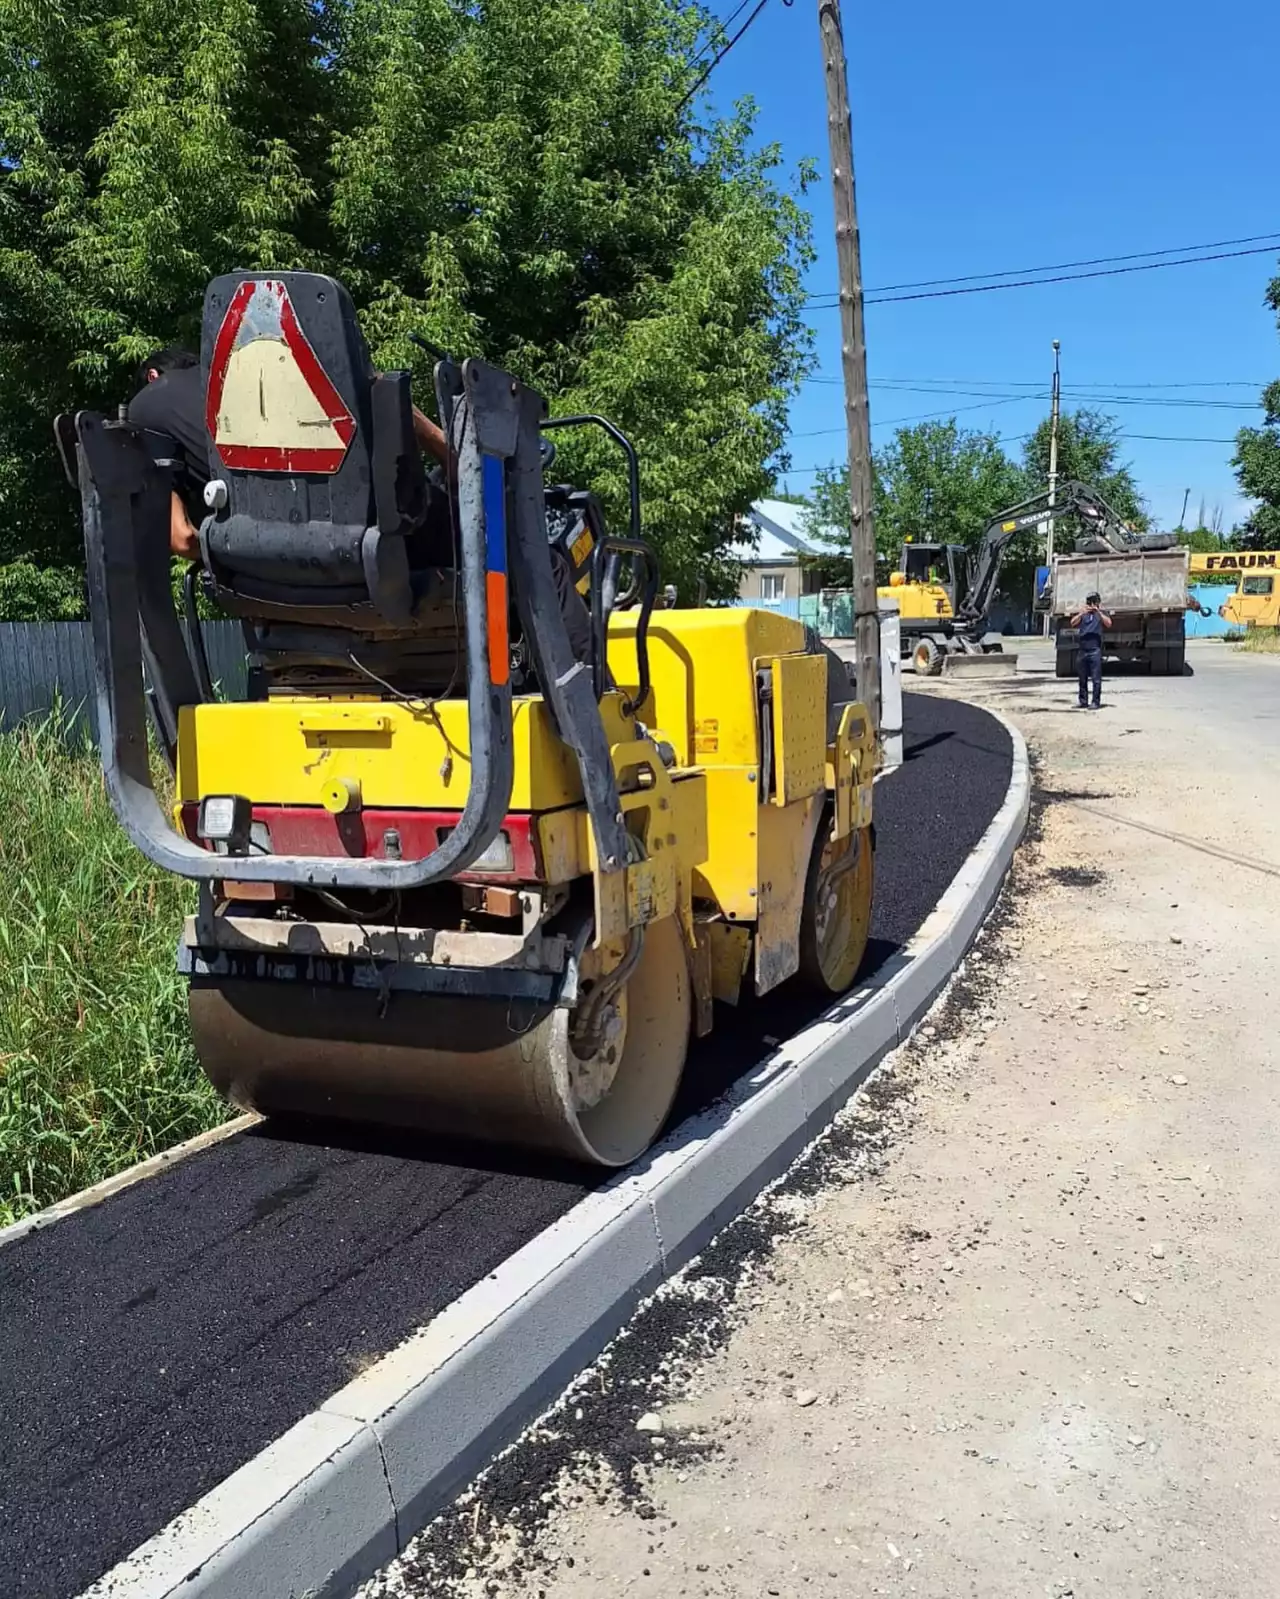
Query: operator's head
[[1093, 599], [173, 358]]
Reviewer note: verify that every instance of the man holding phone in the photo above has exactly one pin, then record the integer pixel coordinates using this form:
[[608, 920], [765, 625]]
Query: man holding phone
[[1089, 624]]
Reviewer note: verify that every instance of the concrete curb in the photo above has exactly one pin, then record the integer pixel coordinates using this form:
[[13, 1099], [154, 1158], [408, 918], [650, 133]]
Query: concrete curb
[[340, 1493]]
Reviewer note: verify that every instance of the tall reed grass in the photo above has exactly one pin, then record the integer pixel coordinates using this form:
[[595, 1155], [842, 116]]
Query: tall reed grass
[[96, 1065]]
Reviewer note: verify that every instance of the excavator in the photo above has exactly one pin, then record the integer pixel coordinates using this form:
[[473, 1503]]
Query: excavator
[[454, 871], [944, 594]]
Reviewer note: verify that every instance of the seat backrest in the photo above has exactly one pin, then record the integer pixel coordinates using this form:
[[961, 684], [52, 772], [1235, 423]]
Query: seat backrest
[[322, 477]]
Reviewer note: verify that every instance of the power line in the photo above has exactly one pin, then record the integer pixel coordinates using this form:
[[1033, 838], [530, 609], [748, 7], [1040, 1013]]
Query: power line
[[928, 416], [720, 55], [1071, 277], [721, 28], [1022, 383], [1063, 266], [1081, 396], [1020, 438]]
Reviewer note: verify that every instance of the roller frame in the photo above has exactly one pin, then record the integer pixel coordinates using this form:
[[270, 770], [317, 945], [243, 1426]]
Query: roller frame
[[125, 497]]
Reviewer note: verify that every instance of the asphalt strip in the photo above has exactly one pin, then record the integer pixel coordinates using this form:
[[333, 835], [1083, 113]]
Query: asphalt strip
[[153, 1344]]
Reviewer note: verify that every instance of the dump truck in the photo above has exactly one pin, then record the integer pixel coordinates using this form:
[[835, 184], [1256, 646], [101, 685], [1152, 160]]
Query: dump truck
[[1144, 590], [492, 835]]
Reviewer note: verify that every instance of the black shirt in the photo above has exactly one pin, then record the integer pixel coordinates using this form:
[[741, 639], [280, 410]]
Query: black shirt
[[173, 406]]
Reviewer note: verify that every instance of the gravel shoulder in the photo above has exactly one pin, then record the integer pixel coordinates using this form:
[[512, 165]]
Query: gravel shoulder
[[1021, 1338]]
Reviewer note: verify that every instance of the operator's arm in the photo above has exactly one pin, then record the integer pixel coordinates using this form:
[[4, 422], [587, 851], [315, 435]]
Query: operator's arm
[[183, 539], [1103, 617], [430, 437], [1074, 621]]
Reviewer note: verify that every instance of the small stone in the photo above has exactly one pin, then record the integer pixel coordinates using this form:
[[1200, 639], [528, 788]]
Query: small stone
[[1136, 1440], [1175, 938], [1157, 1251], [1143, 1008], [893, 1549], [835, 1296], [806, 1397], [948, 1265], [1178, 1080], [1138, 1297], [651, 1421]]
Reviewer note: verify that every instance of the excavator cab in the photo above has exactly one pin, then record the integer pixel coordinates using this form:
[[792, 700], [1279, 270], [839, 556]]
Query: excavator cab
[[461, 865], [938, 566]]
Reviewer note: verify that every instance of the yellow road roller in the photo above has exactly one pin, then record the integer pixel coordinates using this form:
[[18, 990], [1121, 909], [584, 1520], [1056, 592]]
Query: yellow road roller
[[492, 831]]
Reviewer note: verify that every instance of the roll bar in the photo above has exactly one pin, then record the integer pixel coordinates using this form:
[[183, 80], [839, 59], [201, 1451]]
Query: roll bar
[[125, 496]]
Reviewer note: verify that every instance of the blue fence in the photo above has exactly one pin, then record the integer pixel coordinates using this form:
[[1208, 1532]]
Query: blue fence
[[1213, 626], [43, 664]]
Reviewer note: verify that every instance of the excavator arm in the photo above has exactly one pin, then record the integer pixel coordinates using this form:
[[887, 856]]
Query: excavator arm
[[1069, 499]]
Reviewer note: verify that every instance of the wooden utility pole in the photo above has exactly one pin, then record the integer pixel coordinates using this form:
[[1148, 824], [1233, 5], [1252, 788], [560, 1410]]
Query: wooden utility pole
[[853, 349], [1055, 413]]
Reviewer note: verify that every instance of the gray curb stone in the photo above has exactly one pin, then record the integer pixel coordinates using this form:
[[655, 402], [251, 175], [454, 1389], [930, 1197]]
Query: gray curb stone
[[344, 1490]]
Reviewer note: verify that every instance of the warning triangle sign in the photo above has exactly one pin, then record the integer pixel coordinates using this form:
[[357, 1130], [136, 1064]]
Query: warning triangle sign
[[271, 407]]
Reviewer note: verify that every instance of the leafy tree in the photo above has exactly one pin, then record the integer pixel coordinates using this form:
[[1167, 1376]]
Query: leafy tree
[[36, 594], [1089, 452], [936, 482], [1257, 462], [518, 180], [1203, 540]]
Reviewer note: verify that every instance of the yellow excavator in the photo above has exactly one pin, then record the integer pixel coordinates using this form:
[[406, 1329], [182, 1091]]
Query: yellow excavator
[[1255, 601], [468, 859]]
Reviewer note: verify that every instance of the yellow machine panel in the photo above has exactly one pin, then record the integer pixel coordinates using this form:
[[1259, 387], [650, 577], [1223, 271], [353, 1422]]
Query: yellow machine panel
[[919, 602], [702, 667], [799, 726], [303, 751]]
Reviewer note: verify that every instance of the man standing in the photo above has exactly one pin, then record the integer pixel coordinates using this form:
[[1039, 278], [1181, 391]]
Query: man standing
[[1089, 624]]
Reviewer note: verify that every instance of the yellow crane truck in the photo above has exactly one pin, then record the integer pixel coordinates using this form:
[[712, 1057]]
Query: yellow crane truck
[[1255, 601]]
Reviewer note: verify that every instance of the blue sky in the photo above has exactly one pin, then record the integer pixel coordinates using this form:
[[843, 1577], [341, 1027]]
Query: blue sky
[[994, 135]]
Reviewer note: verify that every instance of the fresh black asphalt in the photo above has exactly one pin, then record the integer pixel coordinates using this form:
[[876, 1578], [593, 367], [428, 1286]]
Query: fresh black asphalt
[[152, 1344]]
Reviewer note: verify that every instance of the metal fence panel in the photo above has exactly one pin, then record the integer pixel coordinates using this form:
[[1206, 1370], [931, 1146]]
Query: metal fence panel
[[45, 664]]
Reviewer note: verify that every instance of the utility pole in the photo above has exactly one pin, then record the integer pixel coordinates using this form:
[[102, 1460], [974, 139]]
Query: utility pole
[[1055, 411], [853, 350], [1182, 520]]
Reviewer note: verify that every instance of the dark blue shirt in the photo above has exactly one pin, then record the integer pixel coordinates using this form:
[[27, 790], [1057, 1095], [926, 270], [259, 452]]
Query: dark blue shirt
[[1090, 629]]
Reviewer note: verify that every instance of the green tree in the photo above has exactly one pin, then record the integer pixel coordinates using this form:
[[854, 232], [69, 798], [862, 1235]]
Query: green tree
[[519, 181], [1088, 452], [1257, 462], [935, 482]]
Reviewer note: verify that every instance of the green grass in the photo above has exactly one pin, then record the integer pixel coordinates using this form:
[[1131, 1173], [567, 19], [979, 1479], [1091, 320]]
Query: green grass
[[96, 1065], [1259, 641]]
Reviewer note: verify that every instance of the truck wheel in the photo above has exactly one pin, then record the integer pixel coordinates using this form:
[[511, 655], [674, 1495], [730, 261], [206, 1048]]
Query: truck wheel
[[927, 658], [1177, 657], [1065, 663], [1158, 659]]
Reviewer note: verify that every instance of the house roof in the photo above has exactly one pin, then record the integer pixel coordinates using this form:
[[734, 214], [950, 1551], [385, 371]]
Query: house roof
[[782, 533]]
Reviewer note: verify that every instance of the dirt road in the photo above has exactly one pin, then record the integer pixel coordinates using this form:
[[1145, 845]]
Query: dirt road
[[1022, 1337]]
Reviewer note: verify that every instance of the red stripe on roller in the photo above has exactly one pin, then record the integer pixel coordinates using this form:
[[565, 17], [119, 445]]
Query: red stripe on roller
[[499, 643]]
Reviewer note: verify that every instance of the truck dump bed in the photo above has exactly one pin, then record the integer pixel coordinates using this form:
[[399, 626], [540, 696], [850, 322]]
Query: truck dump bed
[[1144, 581]]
